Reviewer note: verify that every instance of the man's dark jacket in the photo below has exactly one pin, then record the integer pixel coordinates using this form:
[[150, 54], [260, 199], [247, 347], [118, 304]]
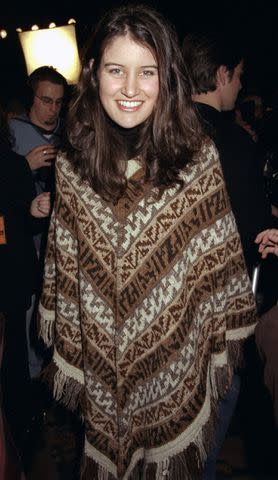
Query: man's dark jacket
[[18, 259], [243, 177]]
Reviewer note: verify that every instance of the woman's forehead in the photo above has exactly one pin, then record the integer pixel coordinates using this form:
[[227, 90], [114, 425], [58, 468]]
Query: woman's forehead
[[119, 44]]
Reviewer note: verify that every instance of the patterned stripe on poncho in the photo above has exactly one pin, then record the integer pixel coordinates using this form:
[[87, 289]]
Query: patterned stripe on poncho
[[147, 304]]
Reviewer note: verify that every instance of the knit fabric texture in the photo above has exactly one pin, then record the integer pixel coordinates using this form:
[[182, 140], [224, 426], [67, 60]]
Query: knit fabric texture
[[147, 304]]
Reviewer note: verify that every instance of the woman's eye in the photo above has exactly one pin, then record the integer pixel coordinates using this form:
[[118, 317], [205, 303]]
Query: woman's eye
[[147, 73], [116, 71]]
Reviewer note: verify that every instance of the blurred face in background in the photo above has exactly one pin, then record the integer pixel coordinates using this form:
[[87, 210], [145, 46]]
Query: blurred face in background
[[47, 103], [128, 81]]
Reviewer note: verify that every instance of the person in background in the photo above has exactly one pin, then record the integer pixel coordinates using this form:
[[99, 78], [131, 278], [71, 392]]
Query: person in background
[[267, 329], [215, 65], [19, 204], [10, 465], [37, 136], [268, 242], [249, 113], [14, 108], [269, 142], [146, 300]]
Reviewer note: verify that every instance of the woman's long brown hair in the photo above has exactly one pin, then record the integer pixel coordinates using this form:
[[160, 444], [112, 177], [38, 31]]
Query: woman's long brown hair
[[169, 137]]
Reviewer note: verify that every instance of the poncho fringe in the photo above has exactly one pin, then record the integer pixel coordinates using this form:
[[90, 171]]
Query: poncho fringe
[[183, 465], [147, 305]]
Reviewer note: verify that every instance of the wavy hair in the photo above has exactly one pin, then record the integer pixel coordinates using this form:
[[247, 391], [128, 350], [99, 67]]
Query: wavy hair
[[204, 53], [168, 139]]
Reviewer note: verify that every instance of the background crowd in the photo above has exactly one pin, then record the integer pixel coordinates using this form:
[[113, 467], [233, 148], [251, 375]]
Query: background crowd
[[204, 93]]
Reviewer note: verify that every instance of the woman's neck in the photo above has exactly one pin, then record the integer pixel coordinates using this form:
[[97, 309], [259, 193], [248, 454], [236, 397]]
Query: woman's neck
[[129, 137]]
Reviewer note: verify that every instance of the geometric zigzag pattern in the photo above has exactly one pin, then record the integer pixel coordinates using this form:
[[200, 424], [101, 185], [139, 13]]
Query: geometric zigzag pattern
[[150, 300]]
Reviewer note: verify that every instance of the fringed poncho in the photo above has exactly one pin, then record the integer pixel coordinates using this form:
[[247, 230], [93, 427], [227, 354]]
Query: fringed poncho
[[147, 304]]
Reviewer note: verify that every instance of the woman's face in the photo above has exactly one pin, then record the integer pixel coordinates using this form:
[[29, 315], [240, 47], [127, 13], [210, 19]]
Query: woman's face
[[128, 82]]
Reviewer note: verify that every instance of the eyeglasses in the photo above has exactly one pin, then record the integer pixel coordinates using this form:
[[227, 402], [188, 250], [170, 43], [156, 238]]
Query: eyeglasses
[[50, 101]]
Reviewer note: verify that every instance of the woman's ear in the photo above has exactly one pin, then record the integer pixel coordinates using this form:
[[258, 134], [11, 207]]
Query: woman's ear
[[91, 63], [221, 75]]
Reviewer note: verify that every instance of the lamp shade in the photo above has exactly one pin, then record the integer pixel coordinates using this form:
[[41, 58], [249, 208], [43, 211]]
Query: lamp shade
[[54, 47]]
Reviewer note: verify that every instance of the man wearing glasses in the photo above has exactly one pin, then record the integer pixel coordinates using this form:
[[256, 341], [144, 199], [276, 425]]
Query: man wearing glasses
[[38, 134]]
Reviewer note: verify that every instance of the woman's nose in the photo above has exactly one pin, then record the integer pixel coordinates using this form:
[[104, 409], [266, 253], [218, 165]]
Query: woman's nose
[[130, 87]]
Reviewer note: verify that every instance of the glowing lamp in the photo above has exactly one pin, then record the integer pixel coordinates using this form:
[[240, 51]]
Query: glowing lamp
[[54, 47], [3, 33]]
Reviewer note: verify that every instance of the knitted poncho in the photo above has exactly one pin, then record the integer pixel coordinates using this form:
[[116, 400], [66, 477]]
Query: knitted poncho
[[147, 304]]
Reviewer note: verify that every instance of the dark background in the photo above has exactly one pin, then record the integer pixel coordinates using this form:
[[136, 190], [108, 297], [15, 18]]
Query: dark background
[[254, 22]]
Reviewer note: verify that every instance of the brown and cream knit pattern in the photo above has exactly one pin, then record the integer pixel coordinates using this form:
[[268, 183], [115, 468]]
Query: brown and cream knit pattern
[[147, 304]]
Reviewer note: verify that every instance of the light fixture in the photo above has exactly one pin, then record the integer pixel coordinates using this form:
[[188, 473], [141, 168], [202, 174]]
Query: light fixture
[[34, 28], [52, 25], [71, 21], [56, 47], [3, 33]]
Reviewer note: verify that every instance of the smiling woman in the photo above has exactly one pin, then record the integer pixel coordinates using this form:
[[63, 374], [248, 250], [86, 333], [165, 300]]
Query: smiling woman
[[128, 82], [145, 297], [132, 77]]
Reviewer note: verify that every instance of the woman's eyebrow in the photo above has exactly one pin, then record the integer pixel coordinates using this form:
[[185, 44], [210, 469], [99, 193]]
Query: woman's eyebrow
[[114, 64], [110, 64]]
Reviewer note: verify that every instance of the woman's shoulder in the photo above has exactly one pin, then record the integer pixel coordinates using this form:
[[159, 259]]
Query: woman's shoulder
[[62, 161], [203, 161], [64, 166], [207, 158], [69, 176], [64, 172], [208, 153]]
